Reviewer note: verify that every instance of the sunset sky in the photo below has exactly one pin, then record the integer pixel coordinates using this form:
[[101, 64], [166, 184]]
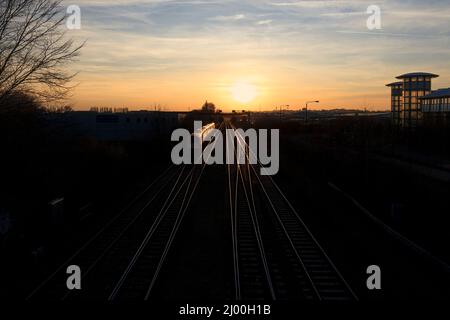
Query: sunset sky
[[177, 54]]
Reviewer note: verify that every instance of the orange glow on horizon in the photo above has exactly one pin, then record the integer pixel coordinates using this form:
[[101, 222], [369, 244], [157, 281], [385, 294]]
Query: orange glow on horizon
[[263, 87]]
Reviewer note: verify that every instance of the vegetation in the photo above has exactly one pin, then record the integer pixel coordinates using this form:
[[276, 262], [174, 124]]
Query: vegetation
[[34, 51]]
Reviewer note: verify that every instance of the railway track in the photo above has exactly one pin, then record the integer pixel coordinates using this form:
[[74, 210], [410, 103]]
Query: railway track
[[252, 276], [124, 258], [140, 275], [111, 236], [275, 255], [142, 272]]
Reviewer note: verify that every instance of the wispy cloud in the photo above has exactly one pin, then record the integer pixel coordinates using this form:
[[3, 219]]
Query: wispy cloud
[[235, 17], [166, 46], [264, 22]]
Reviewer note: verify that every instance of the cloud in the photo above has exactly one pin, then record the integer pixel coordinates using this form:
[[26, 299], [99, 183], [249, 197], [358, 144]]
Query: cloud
[[235, 17], [326, 42], [264, 22]]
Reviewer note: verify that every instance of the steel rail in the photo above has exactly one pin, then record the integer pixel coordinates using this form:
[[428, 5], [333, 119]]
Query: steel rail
[[96, 235]]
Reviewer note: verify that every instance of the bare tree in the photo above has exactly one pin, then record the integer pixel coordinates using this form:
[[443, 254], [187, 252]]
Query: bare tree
[[34, 51]]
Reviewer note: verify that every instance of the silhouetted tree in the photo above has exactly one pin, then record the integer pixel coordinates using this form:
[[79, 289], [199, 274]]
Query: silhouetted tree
[[209, 107], [34, 51]]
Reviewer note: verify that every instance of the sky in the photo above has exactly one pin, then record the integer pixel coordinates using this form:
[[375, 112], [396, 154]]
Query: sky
[[254, 54]]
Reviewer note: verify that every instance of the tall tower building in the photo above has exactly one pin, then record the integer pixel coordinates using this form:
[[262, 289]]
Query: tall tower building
[[415, 86], [396, 101]]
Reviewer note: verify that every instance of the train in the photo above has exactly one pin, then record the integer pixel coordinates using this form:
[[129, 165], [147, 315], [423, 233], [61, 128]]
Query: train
[[204, 131]]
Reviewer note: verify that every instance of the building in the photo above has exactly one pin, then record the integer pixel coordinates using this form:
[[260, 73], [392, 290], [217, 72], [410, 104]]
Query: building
[[414, 86], [436, 107], [108, 125], [396, 101]]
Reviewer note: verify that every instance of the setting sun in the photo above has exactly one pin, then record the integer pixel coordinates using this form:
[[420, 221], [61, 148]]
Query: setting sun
[[244, 92]]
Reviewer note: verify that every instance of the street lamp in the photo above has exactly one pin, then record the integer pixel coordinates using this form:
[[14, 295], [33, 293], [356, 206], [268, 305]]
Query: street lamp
[[306, 114]]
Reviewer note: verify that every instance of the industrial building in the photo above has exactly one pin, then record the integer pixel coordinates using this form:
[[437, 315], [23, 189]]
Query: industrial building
[[107, 125], [413, 101]]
